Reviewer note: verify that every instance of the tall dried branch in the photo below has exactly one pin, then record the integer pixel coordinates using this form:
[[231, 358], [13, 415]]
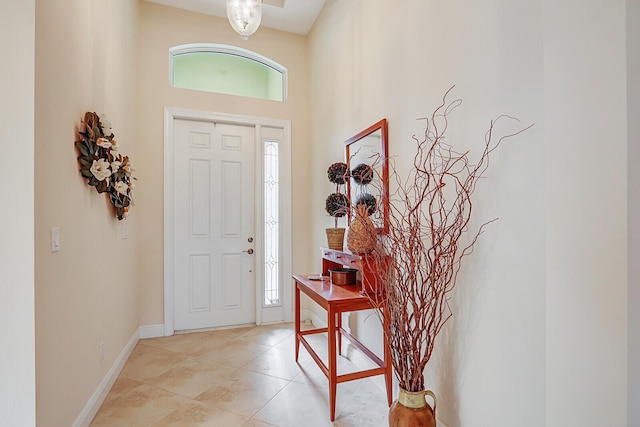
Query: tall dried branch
[[430, 211]]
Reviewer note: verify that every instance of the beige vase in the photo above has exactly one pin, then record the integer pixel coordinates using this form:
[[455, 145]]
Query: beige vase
[[362, 237], [412, 410]]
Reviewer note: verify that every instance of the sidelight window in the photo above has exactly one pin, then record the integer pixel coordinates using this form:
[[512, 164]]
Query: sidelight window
[[271, 222]]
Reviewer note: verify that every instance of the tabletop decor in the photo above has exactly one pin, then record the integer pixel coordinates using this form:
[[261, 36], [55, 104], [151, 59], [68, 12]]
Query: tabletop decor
[[102, 165], [428, 238], [337, 204], [362, 236]]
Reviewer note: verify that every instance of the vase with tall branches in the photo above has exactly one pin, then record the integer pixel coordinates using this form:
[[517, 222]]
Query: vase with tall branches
[[429, 236]]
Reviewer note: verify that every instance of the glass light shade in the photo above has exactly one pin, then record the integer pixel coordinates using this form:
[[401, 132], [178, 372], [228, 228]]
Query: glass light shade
[[244, 16]]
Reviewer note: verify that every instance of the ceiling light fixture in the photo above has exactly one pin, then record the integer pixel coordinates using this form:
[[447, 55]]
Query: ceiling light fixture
[[244, 16]]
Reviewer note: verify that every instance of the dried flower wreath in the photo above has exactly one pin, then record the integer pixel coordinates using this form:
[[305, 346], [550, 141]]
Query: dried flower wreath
[[102, 165]]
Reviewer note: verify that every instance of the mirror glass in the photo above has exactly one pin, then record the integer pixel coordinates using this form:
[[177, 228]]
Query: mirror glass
[[366, 158]]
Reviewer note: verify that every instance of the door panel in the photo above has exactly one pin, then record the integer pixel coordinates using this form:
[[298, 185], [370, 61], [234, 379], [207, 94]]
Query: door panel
[[199, 287], [200, 198], [214, 283], [232, 198]]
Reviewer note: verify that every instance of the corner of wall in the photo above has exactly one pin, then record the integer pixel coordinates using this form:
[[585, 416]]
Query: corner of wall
[[633, 210]]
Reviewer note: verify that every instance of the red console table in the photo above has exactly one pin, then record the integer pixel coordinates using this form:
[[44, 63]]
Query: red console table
[[337, 300]]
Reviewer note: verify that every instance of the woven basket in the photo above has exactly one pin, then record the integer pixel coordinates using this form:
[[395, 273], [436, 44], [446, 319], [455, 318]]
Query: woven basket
[[335, 238], [362, 237]]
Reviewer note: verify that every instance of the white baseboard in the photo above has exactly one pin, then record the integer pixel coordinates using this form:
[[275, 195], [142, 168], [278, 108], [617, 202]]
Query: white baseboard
[[318, 321], [95, 401], [151, 331]]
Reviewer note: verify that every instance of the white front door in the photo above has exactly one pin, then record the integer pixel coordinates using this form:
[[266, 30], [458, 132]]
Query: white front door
[[214, 235]]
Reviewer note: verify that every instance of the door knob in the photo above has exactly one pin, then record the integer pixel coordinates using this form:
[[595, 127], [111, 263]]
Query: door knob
[[249, 251]]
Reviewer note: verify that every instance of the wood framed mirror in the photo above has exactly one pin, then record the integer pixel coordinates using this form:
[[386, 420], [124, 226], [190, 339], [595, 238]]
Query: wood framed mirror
[[366, 156]]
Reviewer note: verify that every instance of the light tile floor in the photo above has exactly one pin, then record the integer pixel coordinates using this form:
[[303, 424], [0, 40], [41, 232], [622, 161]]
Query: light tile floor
[[237, 377]]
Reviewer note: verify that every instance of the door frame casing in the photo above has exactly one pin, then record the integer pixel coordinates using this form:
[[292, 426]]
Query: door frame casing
[[171, 114]]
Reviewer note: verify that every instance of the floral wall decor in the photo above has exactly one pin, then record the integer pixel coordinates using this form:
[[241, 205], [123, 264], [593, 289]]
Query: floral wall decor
[[102, 165]]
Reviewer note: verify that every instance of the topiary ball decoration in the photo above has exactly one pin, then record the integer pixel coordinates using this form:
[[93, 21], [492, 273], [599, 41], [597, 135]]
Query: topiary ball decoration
[[362, 174], [369, 201], [337, 205], [338, 173]]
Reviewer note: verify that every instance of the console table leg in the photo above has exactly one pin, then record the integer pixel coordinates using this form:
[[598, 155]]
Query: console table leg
[[388, 375], [339, 330], [331, 320], [297, 320]]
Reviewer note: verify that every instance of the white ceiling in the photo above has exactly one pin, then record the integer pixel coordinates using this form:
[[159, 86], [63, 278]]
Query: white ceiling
[[294, 16]]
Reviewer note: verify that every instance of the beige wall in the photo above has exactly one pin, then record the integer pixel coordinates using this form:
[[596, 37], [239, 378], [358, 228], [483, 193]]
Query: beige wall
[[17, 355], [633, 162], [540, 307], [586, 212], [160, 29], [87, 292]]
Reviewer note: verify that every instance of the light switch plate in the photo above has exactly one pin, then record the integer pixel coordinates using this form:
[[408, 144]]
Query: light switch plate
[[55, 239], [125, 230]]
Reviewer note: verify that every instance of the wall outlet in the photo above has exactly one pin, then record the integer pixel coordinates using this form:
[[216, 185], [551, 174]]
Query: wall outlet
[[55, 239], [101, 351]]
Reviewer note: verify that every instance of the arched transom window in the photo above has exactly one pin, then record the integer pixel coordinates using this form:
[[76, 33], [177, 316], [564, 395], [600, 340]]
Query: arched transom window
[[227, 69]]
